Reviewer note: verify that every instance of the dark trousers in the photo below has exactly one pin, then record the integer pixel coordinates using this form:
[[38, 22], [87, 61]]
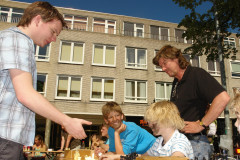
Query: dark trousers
[[10, 150]]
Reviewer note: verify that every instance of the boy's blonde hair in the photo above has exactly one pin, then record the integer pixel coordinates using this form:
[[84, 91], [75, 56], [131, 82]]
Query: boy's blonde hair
[[164, 113], [109, 107], [235, 102]]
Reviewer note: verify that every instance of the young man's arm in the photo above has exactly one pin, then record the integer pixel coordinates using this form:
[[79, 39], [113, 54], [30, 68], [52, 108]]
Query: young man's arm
[[29, 97], [118, 144]]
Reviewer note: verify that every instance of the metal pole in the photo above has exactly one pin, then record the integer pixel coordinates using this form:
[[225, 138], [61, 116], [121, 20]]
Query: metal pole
[[228, 122]]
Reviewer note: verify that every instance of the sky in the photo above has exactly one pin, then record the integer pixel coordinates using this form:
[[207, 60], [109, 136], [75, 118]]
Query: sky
[[162, 10]]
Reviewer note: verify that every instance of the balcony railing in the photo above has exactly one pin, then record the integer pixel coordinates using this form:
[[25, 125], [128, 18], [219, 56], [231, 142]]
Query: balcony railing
[[83, 27]]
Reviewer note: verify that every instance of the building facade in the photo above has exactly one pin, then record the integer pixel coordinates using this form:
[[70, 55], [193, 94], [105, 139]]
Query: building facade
[[106, 57]]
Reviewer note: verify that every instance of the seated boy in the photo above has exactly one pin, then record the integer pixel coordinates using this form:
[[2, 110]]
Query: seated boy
[[125, 137], [164, 120]]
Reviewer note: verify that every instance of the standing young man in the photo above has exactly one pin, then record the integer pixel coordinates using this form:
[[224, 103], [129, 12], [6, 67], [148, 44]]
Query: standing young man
[[193, 90], [40, 24]]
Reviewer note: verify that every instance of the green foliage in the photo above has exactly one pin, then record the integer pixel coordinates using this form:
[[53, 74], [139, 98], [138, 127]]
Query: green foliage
[[201, 28]]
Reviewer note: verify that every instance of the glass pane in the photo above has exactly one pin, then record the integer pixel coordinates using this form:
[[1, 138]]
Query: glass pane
[[141, 90], [159, 90], [187, 57], [75, 87], [164, 34], [18, 10], [130, 57], [211, 66], [109, 56], [178, 35], [66, 51], [41, 80], [154, 32], [96, 88], [111, 29], [130, 90], [195, 61], [98, 54], [108, 89], [80, 25], [62, 86], [43, 52], [235, 67], [169, 89], [99, 28], [141, 58], [139, 33], [77, 52], [128, 29], [16, 18], [4, 9]]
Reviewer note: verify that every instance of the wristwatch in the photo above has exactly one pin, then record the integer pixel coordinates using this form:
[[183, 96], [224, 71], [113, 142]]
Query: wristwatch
[[201, 124]]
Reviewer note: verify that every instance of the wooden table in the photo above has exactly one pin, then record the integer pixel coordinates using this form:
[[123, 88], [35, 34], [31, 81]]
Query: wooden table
[[50, 154]]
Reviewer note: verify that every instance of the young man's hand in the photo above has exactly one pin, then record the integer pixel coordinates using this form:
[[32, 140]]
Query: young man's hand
[[74, 127]]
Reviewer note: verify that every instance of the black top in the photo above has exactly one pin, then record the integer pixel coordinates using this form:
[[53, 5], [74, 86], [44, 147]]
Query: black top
[[194, 92]]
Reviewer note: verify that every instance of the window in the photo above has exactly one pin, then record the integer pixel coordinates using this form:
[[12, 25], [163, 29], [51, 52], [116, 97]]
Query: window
[[235, 69], [160, 33], [157, 68], [178, 36], [41, 83], [214, 67], [229, 42], [102, 89], [135, 91], [104, 26], [104, 55], [69, 87], [136, 58], [42, 53], [133, 29], [71, 52], [76, 22], [12, 15], [163, 91], [193, 60]]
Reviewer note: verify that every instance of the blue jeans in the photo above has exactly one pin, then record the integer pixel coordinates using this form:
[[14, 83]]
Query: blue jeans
[[201, 147], [10, 150]]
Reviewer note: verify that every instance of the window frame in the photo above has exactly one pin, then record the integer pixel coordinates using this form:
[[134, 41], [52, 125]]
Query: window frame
[[71, 54], [165, 91], [68, 87], [45, 86], [135, 91], [191, 60], [37, 48], [136, 59], [214, 72], [231, 70], [10, 13], [159, 33], [102, 89], [184, 39], [227, 41], [106, 25], [104, 55], [73, 20], [135, 29]]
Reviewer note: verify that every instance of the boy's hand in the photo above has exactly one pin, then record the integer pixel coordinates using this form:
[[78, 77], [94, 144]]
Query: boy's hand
[[121, 128]]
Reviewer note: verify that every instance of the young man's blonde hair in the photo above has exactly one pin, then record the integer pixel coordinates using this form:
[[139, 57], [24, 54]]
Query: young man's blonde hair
[[164, 113], [42, 8], [109, 107]]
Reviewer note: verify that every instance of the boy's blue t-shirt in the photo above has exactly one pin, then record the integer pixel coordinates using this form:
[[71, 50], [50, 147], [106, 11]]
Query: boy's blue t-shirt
[[134, 139]]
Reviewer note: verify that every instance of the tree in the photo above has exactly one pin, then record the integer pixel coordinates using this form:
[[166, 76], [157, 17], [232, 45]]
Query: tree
[[207, 31]]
